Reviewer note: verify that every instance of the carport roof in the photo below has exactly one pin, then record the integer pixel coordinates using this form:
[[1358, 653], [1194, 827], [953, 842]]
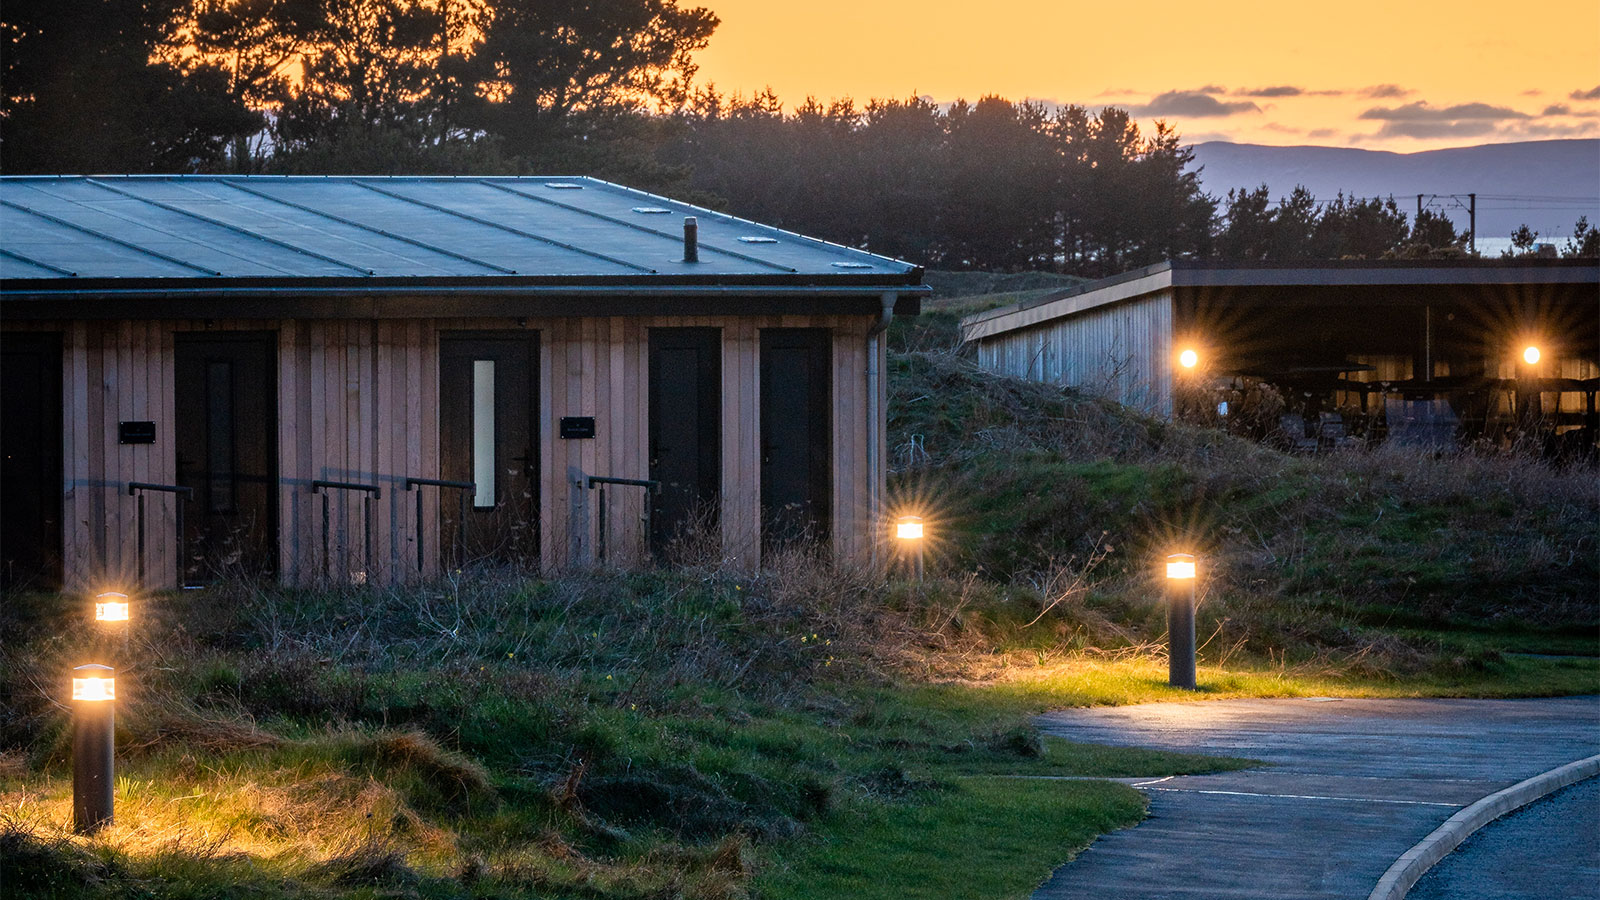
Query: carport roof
[[1331, 275], [162, 236]]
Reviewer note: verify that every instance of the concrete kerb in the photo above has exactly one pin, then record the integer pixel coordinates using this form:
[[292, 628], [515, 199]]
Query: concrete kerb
[[1414, 863]]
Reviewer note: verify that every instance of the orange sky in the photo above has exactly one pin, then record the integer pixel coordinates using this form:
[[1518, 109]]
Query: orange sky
[[1381, 75]]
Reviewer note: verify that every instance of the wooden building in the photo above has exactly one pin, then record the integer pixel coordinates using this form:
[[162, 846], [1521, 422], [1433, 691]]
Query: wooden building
[[277, 372], [1427, 350]]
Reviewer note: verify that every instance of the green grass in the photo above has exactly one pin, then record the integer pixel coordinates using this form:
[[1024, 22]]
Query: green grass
[[802, 731], [978, 837]]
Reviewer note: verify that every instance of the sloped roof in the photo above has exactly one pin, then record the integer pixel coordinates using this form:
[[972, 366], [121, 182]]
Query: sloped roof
[[1400, 280], [204, 232]]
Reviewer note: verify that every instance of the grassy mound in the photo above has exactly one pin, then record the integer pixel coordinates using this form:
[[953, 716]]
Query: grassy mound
[[1075, 497]]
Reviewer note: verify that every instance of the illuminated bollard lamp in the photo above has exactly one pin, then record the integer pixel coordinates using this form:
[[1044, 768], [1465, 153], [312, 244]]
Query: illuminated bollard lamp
[[94, 694], [111, 610], [908, 529], [1180, 621]]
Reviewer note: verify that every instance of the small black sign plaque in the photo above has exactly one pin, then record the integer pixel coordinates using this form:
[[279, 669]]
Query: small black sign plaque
[[577, 427], [136, 432]]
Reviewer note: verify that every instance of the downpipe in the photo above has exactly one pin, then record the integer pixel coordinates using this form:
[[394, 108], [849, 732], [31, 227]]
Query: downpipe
[[876, 447]]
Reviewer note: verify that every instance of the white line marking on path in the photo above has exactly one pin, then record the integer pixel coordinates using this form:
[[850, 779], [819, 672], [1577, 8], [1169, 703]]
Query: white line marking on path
[[1175, 790]]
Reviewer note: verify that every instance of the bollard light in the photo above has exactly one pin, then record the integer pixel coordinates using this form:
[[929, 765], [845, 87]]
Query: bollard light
[[1180, 620], [94, 694], [93, 684], [909, 529], [1530, 355], [111, 606], [1189, 359]]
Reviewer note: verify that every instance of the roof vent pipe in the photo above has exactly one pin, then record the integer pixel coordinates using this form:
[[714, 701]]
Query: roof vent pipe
[[691, 239]]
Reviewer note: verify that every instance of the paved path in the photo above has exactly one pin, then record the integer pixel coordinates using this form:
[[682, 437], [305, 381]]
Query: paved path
[[1353, 784], [1549, 848]]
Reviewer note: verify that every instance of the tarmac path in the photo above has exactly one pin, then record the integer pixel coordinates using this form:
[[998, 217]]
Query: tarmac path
[[1549, 848], [1350, 786]]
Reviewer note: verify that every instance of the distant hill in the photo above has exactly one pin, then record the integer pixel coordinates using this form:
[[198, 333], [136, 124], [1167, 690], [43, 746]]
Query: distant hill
[[1533, 169]]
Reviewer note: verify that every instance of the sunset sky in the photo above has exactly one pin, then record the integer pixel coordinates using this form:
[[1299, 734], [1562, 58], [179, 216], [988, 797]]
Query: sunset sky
[[1380, 75]]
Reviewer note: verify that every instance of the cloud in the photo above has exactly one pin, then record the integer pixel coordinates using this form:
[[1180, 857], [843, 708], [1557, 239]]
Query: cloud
[[1435, 129], [1553, 130], [1321, 133], [1557, 109], [1385, 91], [1284, 129], [1277, 90], [1194, 105], [1591, 94], [1532, 92], [1420, 111], [1208, 89], [1284, 90]]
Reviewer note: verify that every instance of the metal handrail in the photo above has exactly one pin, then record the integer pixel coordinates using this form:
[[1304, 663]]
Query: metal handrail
[[373, 492], [466, 488], [137, 489], [589, 482]]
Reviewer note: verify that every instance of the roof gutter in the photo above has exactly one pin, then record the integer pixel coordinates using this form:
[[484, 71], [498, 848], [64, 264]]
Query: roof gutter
[[454, 301]]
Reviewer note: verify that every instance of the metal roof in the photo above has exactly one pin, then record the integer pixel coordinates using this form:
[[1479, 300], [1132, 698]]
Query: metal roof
[[201, 233], [1331, 275]]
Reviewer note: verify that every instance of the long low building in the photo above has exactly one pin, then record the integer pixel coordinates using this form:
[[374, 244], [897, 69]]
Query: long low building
[[1421, 350], [372, 379]]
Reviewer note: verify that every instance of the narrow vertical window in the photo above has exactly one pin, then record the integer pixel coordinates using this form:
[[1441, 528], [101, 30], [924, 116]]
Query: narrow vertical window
[[219, 434], [483, 432]]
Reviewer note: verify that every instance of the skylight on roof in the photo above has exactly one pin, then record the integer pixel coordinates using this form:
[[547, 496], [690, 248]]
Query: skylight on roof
[[757, 239], [651, 210], [851, 265], [563, 186]]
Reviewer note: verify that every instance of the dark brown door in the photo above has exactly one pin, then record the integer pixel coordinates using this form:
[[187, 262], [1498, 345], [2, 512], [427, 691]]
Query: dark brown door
[[226, 428], [796, 434], [30, 460], [685, 431], [489, 435]]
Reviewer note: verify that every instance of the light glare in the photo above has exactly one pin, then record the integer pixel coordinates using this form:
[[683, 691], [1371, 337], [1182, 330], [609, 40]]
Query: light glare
[[1180, 566], [1189, 359], [1530, 355], [94, 688], [908, 529], [111, 606]]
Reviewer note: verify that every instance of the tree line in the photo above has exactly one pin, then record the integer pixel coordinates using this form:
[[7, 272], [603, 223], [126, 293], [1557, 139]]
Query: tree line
[[608, 89]]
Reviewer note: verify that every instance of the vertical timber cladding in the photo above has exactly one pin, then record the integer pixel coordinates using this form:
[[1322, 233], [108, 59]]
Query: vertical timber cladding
[[358, 404], [30, 460], [225, 448], [1122, 351], [359, 401], [796, 436], [601, 368], [685, 435]]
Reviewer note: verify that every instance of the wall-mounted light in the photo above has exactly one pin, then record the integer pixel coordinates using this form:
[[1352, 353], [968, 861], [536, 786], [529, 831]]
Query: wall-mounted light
[[1188, 359], [94, 694], [1530, 355], [1180, 620]]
